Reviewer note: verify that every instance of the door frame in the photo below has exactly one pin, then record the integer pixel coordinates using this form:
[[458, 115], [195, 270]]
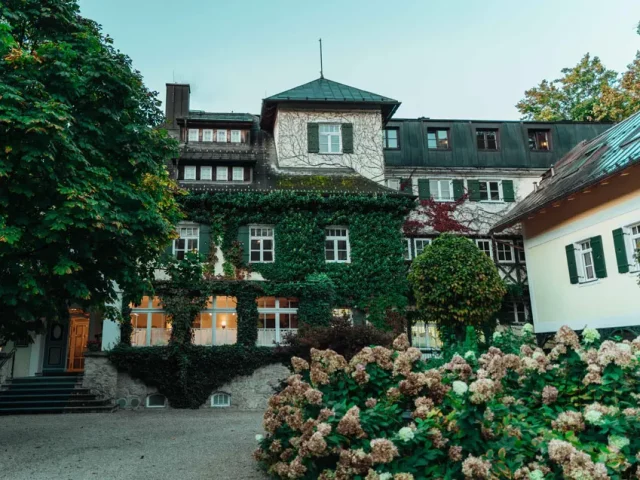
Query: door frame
[[77, 319]]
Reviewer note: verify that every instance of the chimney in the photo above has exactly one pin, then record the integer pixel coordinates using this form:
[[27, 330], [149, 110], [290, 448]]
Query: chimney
[[535, 186], [177, 103]]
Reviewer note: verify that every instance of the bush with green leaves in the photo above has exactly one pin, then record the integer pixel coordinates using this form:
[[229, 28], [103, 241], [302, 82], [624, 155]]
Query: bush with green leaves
[[571, 413], [456, 285]]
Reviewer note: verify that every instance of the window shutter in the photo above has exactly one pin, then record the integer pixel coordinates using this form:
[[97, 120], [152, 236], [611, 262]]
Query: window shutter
[[247, 174], [508, 194], [423, 189], [313, 138], [347, 138], [204, 241], [458, 189], [405, 185], [598, 257], [621, 250], [243, 238], [474, 190], [571, 263]]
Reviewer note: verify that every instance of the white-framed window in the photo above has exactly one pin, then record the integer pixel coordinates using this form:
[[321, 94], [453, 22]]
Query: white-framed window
[[419, 244], [188, 241], [484, 244], [205, 173], [149, 323], [336, 245], [517, 312], [217, 324], [407, 249], [584, 262], [393, 183], [222, 174], [190, 172], [207, 135], [156, 400], [194, 135], [277, 316], [425, 335], [441, 190], [330, 138], [220, 400], [633, 247], [490, 190], [236, 136], [238, 174], [519, 249], [261, 244], [221, 136], [504, 251]]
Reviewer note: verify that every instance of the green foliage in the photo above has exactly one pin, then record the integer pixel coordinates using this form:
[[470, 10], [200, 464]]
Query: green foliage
[[570, 414], [85, 199], [456, 285]]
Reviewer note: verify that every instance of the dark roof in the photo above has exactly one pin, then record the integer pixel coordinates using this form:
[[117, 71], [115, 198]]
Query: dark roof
[[325, 91], [514, 149], [586, 165], [221, 117]]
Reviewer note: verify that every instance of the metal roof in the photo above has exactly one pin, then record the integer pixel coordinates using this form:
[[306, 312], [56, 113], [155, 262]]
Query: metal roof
[[586, 165], [221, 117]]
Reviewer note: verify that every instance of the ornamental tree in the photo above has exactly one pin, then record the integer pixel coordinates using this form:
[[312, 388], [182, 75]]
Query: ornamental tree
[[456, 285], [85, 198]]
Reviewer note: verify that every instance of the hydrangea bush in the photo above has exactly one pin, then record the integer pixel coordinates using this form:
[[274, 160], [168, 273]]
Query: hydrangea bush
[[568, 414]]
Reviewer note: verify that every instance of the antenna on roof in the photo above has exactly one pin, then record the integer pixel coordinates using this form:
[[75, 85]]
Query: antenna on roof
[[321, 73]]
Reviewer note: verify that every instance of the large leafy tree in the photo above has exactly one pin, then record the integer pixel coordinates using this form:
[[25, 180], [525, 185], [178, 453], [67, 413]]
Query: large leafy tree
[[85, 198]]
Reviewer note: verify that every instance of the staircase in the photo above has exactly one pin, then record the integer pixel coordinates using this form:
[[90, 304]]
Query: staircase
[[52, 394]]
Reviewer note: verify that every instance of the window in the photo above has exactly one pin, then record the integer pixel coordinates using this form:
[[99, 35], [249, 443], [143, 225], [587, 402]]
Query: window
[[419, 244], [156, 401], [519, 248], [221, 136], [149, 323], [438, 138], [189, 173], [584, 262], [407, 249], [504, 250], [330, 138], [425, 335], [205, 173], [207, 135], [277, 316], [515, 312], [238, 174], [484, 244], [490, 191], [188, 241], [539, 140], [390, 138], [635, 247], [217, 324], [261, 241], [441, 190], [236, 136], [194, 135], [220, 400], [393, 183], [222, 174], [336, 245], [487, 139]]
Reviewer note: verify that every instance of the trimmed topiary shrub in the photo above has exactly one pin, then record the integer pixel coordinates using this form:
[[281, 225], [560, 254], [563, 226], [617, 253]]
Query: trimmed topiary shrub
[[570, 414]]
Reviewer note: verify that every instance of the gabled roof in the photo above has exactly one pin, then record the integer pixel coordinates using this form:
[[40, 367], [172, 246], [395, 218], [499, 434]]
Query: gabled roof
[[325, 91], [586, 165], [221, 117]]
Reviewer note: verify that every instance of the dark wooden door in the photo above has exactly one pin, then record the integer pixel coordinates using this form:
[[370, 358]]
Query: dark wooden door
[[55, 348]]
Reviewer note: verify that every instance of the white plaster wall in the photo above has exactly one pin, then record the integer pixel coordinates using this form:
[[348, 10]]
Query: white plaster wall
[[609, 302], [290, 134]]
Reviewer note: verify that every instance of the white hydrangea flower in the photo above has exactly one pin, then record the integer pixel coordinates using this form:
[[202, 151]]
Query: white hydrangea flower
[[618, 442], [590, 335], [537, 354], [497, 335], [593, 417], [259, 438], [405, 434], [624, 347], [470, 355], [536, 475], [385, 476], [528, 328], [459, 387]]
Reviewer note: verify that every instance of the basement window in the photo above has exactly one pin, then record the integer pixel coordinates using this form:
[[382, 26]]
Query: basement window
[[156, 401], [220, 400]]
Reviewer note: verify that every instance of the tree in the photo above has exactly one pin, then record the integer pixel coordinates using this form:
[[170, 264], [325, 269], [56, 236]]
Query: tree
[[456, 285], [85, 198]]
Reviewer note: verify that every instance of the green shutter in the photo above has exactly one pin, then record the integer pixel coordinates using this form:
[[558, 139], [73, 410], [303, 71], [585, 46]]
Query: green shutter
[[621, 250], [347, 138], [243, 238], [474, 190], [423, 189], [598, 257], [313, 137], [458, 189], [571, 263], [405, 185], [508, 194], [204, 244]]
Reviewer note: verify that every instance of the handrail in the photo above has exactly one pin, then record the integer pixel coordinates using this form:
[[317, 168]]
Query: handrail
[[11, 355]]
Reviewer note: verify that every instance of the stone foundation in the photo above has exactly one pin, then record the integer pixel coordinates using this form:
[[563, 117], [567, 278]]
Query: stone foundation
[[253, 392]]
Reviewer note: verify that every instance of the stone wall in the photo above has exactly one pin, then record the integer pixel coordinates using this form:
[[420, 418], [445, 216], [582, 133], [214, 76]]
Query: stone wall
[[100, 376], [253, 392]]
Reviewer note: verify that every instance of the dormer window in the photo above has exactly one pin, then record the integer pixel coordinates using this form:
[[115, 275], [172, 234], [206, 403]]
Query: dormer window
[[236, 136], [487, 139], [194, 135], [189, 173], [207, 135], [222, 136], [539, 140]]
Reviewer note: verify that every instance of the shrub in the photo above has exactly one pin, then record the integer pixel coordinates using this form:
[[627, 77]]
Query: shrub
[[569, 414], [456, 285]]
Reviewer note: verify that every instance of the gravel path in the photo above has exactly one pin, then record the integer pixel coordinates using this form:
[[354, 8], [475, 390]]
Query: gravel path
[[175, 444]]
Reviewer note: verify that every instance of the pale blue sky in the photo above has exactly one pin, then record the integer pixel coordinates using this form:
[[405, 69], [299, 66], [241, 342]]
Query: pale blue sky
[[441, 59]]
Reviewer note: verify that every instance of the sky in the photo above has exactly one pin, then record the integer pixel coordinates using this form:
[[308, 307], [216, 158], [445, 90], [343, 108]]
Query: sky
[[463, 59]]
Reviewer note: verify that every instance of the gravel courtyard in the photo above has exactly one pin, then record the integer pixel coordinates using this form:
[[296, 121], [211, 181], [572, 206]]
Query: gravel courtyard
[[174, 444]]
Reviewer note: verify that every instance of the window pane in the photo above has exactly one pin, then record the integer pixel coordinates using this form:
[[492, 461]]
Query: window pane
[[342, 255], [431, 140], [492, 143], [222, 136], [205, 173], [484, 194], [238, 174], [255, 256], [284, 320], [270, 320], [267, 244], [480, 138], [222, 174], [267, 256]]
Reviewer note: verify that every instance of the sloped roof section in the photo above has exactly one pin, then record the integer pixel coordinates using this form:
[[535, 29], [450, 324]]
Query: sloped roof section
[[221, 117], [586, 165]]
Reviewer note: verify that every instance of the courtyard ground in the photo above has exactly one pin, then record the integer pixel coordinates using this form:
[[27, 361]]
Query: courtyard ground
[[169, 444]]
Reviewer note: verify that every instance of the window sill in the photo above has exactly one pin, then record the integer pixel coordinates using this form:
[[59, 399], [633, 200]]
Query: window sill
[[589, 283], [505, 262], [491, 201], [258, 263], [329, 153], [337, 261]]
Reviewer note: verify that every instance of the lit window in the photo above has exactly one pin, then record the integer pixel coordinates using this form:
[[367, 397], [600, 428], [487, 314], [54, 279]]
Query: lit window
[[220, 400], [504, 250], [487, 139], [425, 335], [262, 245], [584, 262], [485, 245], [419, 244], [634, 250], [222, 174], [194, 135], [539, 140], [149, 323], [205, 173], [221, 136], [407, 249], [393, 183], [207, 135], [519, 247], [189, 173], [441, 190], [390, 138], [236, 137], [336, 245], [490, 191], [330, 138], [277, 317], [188, 241], [217, 324], [238, 174], [438, 138]]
